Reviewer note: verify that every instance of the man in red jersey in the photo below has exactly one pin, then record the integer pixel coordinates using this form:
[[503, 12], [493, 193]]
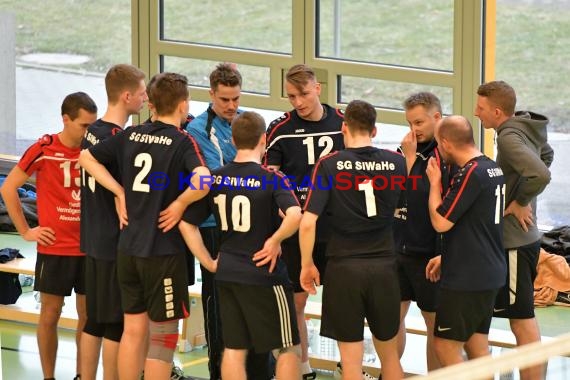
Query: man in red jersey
[[60, 262]]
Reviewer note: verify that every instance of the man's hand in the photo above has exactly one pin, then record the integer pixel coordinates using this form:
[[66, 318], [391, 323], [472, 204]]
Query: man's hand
[[409, 146], [170, 216], [212, 266], [42, 235], [121, 208], [310, 278], [433, 269], [522, 213], [433, 172], [268, 254]]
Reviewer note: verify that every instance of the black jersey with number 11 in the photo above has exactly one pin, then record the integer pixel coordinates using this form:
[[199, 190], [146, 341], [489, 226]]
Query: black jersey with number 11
[[100, 223], [474, 258]]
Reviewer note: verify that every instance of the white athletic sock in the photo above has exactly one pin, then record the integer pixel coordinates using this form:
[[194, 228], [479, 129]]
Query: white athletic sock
[[306, 367]]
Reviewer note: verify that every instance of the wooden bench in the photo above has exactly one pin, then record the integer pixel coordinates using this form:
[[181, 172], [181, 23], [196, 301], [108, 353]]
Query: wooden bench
[[414, 325], [29, 313], [23, 266], [192, 330]]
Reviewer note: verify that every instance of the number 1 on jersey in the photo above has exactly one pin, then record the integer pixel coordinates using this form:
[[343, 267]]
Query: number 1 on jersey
[[369, 198]]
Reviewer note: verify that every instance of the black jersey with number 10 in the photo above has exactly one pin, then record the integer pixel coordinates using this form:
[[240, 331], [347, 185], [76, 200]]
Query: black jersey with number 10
[[358, 189], [245, 199], [156, 162]]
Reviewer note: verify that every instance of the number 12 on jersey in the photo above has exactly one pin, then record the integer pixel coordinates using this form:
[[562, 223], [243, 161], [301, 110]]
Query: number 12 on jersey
[[323, 141]]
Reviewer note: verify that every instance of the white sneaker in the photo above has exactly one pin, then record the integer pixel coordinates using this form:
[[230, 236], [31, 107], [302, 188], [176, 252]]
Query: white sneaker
[[338, 373]]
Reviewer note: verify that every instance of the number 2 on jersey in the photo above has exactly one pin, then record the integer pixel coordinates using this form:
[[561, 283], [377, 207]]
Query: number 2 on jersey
[[144, 161], [324, 141], [241, 212]]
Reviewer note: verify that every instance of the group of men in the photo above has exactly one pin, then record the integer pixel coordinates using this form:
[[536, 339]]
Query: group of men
[[270, 215]]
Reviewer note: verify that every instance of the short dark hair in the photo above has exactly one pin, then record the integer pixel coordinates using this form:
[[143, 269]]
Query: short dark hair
[[122, 77], [500, 94], [225, 74], [360, 116], [149, 85], [457, 130], [425, 99], [247, 129], [76, 101], [299, 75], [167, 91]]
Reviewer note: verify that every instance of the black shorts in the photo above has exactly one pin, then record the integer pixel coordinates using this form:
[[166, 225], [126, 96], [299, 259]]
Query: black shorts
[[516, 299], [461, 314], [256, 317], [157, 285], [414, 286], [291, 255], [58, 275], [102, 291], [359, 288]]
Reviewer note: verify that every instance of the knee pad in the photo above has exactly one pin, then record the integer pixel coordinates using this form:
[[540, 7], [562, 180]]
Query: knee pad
[[163, 338], [113, 331], [294, 349], [93, 328]]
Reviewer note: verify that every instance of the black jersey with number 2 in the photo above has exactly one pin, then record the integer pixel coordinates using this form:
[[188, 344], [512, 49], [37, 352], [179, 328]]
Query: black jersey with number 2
[[359, 189], [245, 199], [156, 161], [474, 259], [100, 223]]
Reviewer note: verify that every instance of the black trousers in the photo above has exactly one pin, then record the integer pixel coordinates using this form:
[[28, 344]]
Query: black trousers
[[258, 366]]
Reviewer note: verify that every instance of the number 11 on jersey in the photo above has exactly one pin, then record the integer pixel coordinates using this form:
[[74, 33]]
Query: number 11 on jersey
[[500, 202]]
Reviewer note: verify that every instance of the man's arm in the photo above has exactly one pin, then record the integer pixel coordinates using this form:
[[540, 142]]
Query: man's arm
[[9, 190], [272, 247], [310, 276], [526, 163], [171, 215], [439, 223], [105, 179], [193, 239], [547, 155]]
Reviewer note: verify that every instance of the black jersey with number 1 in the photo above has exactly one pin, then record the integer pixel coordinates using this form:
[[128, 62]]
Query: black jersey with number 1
[[295, 145], [245, 199], [156, 161], [359, 189], [99, 224], [474, 259]]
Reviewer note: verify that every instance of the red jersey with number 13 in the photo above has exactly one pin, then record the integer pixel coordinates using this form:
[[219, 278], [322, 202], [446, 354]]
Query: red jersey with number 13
[[58, 192]]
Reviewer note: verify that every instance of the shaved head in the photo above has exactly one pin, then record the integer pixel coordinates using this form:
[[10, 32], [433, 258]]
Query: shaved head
[[457, 130]]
